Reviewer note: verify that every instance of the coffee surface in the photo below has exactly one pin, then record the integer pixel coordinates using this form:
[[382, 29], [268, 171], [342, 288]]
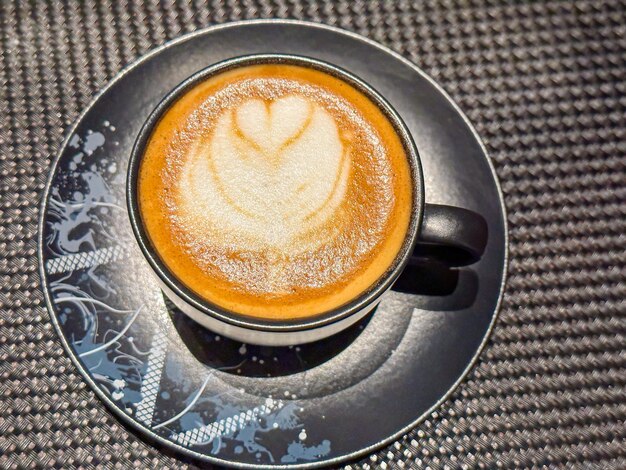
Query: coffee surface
[[275, 191]]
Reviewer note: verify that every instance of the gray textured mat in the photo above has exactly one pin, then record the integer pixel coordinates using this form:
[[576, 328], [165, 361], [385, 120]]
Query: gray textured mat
[[545, 86]]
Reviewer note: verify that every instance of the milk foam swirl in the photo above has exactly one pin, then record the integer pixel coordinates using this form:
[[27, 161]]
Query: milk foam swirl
[[273, 187], [270, 174]]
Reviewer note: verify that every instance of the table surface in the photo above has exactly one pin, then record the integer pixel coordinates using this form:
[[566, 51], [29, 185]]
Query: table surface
[[545, 86]]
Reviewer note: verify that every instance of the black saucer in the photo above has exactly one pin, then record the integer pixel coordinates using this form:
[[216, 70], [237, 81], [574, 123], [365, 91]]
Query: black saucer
[[224, 402]]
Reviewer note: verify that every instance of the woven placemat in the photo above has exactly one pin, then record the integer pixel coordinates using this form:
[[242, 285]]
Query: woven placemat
[[545, 86]]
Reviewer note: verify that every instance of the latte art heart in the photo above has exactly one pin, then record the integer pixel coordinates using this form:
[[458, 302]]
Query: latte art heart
[[275, 190], [270, 172], [270, 126]]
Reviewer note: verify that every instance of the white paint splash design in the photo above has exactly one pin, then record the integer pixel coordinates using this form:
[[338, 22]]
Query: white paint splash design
[[151, 381], [226, 427]]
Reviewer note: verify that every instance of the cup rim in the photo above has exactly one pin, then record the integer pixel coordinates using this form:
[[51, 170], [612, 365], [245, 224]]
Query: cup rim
[[365, 298]]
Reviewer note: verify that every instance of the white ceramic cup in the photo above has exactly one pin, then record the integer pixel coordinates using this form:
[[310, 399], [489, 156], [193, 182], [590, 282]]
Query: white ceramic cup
[[458, 235]]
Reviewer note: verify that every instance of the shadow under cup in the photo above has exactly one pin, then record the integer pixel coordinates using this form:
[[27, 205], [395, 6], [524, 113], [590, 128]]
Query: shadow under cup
[[455, 235]]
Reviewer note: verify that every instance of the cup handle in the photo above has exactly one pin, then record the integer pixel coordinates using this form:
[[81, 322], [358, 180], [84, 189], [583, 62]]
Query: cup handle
[[452, 235]]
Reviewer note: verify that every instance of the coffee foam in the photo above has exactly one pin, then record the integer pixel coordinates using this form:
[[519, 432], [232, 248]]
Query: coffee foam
[[269, 173], [276, 189]]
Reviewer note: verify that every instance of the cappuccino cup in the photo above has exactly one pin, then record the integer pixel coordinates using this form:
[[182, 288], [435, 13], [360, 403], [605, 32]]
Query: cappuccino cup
[[277, 197]]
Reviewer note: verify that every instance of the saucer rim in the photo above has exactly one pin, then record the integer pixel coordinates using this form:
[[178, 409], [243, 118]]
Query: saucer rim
[[166, 445]]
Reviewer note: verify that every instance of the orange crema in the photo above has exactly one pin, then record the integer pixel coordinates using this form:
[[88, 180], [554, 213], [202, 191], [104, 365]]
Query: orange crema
[[275, 191]]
